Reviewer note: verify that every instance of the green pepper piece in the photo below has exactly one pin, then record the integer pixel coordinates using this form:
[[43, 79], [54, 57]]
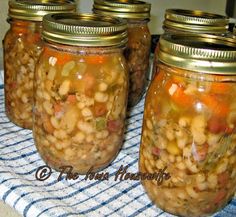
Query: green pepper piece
[[101, 123]]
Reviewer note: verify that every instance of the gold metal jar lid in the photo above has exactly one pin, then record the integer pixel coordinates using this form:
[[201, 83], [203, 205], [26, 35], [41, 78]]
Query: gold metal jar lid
[[34, 10], [195, 21], [129, 9], [200, 53], [84, 30]]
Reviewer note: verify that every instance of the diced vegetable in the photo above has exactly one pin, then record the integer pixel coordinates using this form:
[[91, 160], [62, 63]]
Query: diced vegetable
[[220, 196], [101, 123], [217, 107], [34, 38], [71, 99], [100, 109], [156, 151], [114, 125], [220, 88], [98, 59], [223, 179], [62, 57], [217, 125], [176, 92]]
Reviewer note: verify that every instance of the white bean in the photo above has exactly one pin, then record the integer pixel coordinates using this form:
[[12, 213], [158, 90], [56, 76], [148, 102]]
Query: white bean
[[191, 192], [19, 92], [85, 127], [51, 139], [184, 121], [64, 88], [182, 142], [212, 181], [55, 122], [79, 137], [46, 96], [89, 138], [149, 124], [170, 134], [200, 178], [60, 134], [24, 98], [202, 186], [52, 73], [48, 107], [101, 97], [192, 167], [80, 105], [199, 137], [102, 87], [181, 166], [213, 139], [222, 166], [86, 112]]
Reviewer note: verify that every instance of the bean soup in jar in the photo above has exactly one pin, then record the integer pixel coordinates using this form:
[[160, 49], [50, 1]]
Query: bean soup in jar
[[137, 15], [189, 125], [81, 88], [178, 21], [22, 47]]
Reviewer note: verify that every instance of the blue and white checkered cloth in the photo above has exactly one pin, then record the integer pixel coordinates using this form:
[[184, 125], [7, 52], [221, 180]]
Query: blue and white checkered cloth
[[19, 188]]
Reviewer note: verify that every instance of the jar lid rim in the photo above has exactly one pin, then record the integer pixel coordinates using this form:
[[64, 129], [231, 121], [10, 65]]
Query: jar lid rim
[[200, 52], [84, 29], [35, 10], [129, 9], [195, 21]]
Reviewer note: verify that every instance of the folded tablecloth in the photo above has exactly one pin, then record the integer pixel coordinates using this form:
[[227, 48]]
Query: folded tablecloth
[[19, 188]]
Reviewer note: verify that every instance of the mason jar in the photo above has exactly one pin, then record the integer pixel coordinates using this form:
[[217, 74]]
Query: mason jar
[[81, 88], [179, 21], [189, 126], [22, 46], [137, 15]]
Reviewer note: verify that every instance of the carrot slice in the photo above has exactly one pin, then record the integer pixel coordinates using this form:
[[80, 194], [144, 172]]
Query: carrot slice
[[34, 38], [217, 107], [100, 109], [98, 59], [177, 94], [223, 179], [71, 99], [19, 30], [220, 88], [58, 108], [62, 57], [220, 196]]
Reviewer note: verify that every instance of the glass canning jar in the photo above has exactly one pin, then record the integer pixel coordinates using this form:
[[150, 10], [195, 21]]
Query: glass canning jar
[[137, 15], [189, 125], [22, 46], [81, 88], [178, 21]]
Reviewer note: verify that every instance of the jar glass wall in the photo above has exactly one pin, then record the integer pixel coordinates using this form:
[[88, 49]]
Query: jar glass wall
[[137, 56], [22, 46], [81, 91], [189, 128], [179, 21], [137, 15]]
